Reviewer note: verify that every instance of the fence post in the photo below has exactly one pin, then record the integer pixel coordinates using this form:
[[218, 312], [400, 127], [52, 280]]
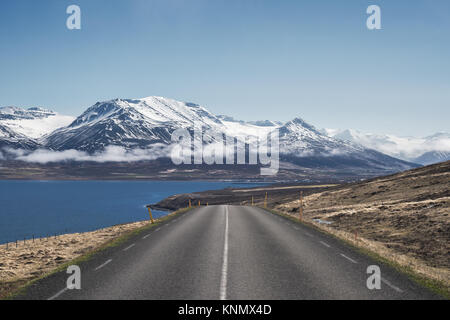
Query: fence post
[[150, 214]]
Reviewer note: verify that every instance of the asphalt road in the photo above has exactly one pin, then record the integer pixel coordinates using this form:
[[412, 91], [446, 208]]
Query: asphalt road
[[229, 252]]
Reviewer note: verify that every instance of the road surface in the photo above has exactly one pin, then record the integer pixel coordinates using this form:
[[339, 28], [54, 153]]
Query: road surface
[[229, 252]]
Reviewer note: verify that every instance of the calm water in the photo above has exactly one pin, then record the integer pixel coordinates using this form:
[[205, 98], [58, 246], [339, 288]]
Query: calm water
[[39, 208]]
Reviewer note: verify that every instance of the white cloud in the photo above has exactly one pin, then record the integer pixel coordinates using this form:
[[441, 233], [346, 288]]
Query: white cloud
[[406, 148], [110, 154]]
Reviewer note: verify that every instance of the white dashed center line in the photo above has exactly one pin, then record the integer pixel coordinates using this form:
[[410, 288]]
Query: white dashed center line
[[223, 280]]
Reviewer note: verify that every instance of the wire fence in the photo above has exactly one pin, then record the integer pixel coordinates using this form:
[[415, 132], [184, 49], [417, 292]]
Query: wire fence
[[30, 238]]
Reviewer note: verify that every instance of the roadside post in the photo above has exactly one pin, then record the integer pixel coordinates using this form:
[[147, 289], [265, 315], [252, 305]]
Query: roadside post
[[150, 214], [190, 206], [252, 202], [199, 203]]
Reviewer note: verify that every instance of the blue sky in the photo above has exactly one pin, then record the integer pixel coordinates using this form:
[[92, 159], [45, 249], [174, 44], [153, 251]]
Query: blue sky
[[251, 59]]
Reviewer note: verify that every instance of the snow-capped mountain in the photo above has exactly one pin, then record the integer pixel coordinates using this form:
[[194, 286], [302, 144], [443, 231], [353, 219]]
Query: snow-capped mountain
[[432, 157], [129, 123], [23, 128], [427, 150], [12, 139], [301, 143], [142, 123]]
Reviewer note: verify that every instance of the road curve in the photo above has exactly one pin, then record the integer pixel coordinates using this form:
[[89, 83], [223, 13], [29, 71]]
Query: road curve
[[228, 252]]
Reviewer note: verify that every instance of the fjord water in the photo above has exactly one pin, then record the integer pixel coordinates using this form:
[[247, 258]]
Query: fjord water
[[42, 208]]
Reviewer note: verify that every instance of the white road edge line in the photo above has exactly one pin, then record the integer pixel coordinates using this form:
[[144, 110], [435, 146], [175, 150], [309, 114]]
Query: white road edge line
[[348, 258], [58, 294], [146, 236], [391, 285], [223, 280], [102, 265], [158, 229], [129, 247], [325, 244], [309, 234]]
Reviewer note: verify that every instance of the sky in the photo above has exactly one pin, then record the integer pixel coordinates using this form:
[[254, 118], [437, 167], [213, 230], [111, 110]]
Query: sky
[[250, 59]]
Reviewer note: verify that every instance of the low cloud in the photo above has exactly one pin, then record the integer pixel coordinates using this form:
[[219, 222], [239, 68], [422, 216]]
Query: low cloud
[[109, 154], [409, 148]]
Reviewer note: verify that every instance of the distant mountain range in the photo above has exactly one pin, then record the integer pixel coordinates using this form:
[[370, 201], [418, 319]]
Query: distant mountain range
[[25, 128], [427, 150], [142, 123]]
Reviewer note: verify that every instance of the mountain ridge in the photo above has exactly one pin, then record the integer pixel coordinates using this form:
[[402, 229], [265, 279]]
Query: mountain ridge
[[143, 123]]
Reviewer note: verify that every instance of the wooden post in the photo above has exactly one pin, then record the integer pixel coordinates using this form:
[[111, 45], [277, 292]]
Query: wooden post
[[252, 202], [150, 214], [301, 206], [190, 206], [265, 201], [199, 203]]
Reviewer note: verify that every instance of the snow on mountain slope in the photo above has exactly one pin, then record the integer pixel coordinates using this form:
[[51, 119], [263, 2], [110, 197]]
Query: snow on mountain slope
[[432, 157], [435, 147], [303, 144], [32, 123], [130, 123], [11, 139], [140, 124], [246, 130]]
